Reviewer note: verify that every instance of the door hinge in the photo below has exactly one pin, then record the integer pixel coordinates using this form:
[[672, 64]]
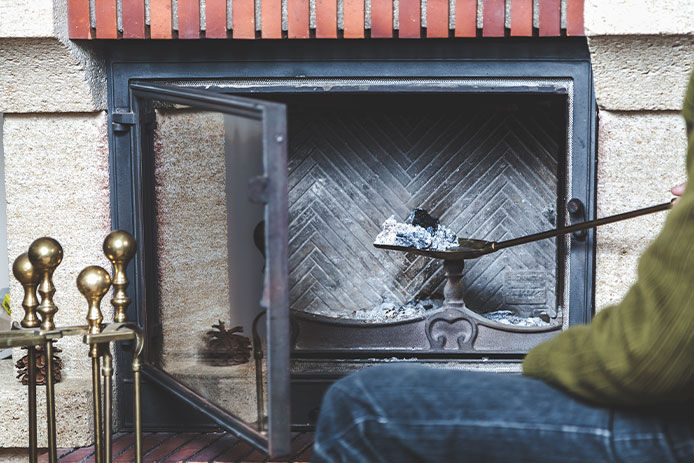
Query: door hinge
[[122, 120]]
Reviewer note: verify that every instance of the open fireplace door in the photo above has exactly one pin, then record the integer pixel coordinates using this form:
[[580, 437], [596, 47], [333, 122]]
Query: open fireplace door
[[215, 310]]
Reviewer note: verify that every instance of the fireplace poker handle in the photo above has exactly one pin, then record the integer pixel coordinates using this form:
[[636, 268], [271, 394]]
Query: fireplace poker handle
[[495, 246]]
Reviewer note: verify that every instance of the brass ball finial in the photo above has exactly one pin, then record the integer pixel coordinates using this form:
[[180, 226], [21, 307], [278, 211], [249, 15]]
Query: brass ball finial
[[25, 273], [45, 254], [120, 248], [93, 282]]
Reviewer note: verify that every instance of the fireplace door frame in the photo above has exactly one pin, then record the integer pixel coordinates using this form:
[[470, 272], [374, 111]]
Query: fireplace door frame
[[206, 63]]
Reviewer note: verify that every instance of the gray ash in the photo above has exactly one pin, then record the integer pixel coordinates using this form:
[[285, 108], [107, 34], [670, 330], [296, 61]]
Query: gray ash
[[422, 232], [391, 312], [506, 317]]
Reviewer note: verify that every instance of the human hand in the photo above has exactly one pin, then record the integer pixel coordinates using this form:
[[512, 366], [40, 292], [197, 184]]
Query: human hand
[[678, 191]]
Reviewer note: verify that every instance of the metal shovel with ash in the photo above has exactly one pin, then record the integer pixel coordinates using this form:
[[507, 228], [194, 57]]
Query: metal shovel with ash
[[420, 231]]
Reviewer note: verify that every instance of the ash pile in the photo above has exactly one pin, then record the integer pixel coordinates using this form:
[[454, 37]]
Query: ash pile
[[420, 231]]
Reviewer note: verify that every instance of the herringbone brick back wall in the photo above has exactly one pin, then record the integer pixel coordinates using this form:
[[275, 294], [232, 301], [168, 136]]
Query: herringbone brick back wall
[[488, 172], [303, 19]]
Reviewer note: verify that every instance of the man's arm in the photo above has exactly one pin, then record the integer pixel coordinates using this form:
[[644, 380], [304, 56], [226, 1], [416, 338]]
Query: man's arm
[[641, 351]]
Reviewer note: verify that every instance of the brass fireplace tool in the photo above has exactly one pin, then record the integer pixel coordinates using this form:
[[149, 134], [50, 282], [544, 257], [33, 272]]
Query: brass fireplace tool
[[34, 270]]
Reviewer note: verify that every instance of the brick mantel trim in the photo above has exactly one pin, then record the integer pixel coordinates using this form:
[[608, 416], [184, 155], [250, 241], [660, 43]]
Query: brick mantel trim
[[304, 19]]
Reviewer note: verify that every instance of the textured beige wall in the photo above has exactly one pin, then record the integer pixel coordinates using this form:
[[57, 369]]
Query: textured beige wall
[[26, 18], [41, 70], [642, 52], [639, 17], [640, 157], [57, 184], [635, 73], [52, 92], [73, 414]]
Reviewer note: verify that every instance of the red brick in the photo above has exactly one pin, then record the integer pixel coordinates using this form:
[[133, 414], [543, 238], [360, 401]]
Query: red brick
[[213, 450], [574, 18], [437, 18], [381, 19], [297, 19], [149, 441], [240, 451], [410, 16], [216, 19], [106, 25], [188, 19], [160, 19], [271, 19], [60, 452], [522, 18], [466, 18], [121, 442], [550, 18], [79, 455], [193, 447], [133, 13], [326, 19], [78, 19], [353, 19], [243, 19], [169, 446], [493, 14]]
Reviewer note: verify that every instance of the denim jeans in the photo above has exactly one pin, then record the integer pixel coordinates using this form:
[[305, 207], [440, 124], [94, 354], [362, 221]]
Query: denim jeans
[[412, 413]]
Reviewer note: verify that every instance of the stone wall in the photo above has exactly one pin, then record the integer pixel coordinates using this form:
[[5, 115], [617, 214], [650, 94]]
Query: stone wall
[[56, 165], [642, 52]]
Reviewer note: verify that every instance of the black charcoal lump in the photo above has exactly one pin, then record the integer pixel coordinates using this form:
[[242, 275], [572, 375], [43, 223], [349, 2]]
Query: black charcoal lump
[[421, 218]]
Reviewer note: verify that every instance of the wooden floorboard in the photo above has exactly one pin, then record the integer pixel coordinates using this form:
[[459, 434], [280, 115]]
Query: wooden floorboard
[[186, 448]]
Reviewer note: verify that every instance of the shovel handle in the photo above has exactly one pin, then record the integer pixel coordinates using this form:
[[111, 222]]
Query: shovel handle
[[581, 226]]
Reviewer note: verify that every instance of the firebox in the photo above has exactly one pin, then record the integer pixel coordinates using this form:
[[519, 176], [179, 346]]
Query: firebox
[[258, 178]]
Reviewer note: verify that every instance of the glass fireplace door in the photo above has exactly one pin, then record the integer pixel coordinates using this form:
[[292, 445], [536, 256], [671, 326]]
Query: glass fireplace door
[[213, 207]]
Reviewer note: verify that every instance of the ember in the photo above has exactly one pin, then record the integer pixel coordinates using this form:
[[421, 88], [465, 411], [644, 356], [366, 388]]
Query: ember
[[422, 232]]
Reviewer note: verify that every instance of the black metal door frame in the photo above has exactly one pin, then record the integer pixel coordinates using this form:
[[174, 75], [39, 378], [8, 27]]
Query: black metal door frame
[[387, 62]]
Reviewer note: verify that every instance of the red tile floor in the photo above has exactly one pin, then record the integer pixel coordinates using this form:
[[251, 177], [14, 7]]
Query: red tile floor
[[187, 447]]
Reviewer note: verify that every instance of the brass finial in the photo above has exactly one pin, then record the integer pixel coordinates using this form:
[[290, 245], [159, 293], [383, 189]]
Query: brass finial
[[29, 278], [119, 248], [93, 282], [45, 254]]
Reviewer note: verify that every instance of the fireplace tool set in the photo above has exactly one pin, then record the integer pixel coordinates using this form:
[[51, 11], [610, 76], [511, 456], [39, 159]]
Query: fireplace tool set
[[454, 257], [34, 270]]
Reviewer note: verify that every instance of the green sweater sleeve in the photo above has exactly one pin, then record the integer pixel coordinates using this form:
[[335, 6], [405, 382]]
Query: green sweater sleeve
[[640, 351]]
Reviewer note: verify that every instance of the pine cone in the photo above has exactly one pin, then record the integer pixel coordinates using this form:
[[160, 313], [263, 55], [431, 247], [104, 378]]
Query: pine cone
[[23, 363], [224, 347]]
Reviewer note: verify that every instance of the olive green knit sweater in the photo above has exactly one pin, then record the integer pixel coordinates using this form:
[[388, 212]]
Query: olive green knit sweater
[[639, 352]]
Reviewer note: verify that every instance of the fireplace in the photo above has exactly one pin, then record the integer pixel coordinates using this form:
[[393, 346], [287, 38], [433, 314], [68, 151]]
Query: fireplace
[[495, 148]]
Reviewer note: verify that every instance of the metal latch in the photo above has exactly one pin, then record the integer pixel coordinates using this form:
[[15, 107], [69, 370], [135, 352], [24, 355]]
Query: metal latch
[[577, 213]]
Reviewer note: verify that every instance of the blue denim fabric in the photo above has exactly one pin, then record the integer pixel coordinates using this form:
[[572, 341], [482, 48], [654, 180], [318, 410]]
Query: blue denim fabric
[[411, 413]]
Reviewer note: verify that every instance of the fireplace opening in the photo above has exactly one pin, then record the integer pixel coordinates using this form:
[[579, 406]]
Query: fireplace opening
[[489, 166]]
